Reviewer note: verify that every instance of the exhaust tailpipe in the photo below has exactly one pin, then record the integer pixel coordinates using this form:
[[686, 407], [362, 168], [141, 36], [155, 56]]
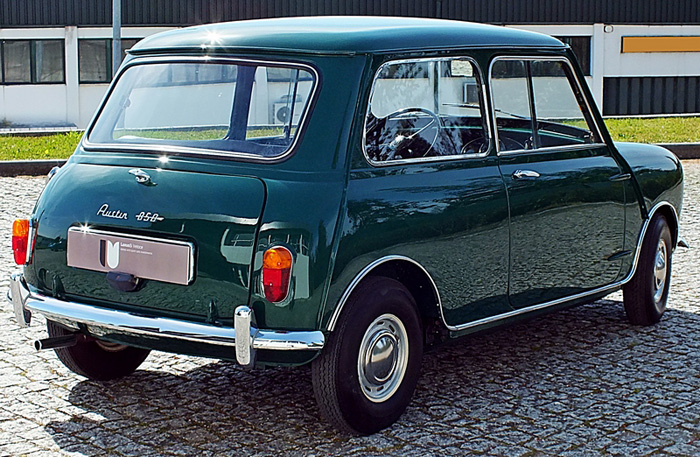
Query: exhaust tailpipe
[[59, 341]]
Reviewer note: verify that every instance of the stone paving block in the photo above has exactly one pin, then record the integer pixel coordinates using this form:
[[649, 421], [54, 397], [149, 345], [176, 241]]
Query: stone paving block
[[579, 382]]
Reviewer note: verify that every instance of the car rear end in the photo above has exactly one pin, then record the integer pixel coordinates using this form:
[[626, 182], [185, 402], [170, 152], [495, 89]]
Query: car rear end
[[165, 230]]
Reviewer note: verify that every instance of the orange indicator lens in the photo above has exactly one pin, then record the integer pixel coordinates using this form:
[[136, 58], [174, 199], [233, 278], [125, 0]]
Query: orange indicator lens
[[277, 266]]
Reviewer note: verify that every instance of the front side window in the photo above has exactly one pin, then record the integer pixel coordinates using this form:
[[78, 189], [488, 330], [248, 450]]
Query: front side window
[[229, 107], [538, 104], [426, 108]]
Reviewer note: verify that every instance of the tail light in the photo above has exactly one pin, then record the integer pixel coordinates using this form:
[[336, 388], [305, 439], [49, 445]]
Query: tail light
[[277, 268], [20, 240]]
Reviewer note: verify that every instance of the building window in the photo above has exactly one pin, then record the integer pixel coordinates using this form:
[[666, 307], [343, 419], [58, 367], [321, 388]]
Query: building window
[[95, 59], [32, 62], [581, 45]]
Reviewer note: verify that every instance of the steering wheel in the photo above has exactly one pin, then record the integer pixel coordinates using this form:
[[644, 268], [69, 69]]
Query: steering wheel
[[402, 144], [476, 146]]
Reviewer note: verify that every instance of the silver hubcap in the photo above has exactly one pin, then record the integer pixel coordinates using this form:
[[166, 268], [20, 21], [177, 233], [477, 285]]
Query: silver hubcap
[[383, 358], [660, 271]]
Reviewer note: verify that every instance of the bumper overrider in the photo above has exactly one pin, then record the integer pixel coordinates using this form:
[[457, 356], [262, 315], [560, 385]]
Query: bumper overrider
[[245, 338]]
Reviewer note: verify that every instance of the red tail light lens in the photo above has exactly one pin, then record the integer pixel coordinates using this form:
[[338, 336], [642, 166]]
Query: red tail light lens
[[277, 268], [20, 240]]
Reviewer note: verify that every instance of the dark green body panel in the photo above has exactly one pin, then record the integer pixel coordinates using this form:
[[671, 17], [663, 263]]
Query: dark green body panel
[[657, 171], [449, 217], [565, 224], [341, 35], [658, 180], [193, 210]]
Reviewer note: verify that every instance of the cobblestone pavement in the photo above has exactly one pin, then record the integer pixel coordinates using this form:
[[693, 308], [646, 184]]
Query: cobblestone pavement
[[578, 382]]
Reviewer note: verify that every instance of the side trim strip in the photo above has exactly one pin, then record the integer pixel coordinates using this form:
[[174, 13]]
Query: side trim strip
[[559, 301], [365, 271]]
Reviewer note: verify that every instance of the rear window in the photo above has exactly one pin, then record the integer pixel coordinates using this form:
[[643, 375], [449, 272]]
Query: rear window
[[231, 107]]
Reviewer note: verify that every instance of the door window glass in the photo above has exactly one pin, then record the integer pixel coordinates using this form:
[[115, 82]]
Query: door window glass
[[425, 108], [559, 108], [539, 105], [511, 101]]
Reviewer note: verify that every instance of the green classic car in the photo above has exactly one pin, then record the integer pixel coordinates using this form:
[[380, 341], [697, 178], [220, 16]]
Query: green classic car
[[340, 191]]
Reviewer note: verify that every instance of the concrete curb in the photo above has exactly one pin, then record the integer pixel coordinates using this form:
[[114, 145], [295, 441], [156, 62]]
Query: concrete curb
[[41, 167], [28, 167], [684, 150]]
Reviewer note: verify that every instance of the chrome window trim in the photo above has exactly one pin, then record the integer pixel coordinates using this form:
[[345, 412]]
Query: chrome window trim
[[186, 150], [484, 104], [578, 86], [608, 288], [568, 147]]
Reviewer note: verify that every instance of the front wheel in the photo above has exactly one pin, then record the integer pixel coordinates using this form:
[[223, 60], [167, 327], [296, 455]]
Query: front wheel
[[365, 376], [646, 294], [98, 360]]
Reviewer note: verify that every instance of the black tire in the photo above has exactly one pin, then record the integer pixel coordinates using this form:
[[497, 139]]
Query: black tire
[[645, 295], [363, 398], [98, 360]]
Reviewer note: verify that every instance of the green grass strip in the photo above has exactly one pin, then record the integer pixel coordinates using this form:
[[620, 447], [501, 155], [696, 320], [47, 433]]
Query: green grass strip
[[58, 146], [639, 130], [655, 130]]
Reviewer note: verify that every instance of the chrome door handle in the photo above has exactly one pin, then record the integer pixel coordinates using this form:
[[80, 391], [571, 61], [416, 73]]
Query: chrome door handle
[[522, 174]]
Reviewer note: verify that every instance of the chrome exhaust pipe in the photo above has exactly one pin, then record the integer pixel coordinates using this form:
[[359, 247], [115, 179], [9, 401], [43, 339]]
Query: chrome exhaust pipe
[[59, 341]]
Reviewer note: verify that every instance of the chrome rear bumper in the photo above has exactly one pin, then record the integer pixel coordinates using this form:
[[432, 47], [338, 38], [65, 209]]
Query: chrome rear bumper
[[102, 321]]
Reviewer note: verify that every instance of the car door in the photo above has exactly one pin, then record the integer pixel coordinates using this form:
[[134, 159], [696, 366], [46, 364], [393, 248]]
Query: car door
[[429, 188], [565, 190]]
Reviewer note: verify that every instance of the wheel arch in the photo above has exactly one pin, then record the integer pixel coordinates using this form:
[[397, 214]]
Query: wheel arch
[[668, 211], [408, 272]]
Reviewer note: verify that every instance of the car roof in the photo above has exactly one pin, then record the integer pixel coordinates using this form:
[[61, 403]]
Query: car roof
[[343, 35]]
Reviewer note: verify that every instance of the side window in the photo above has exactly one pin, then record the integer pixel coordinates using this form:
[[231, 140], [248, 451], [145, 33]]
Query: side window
[[511, 102], [425, 108], [538, 105], [559, 106]]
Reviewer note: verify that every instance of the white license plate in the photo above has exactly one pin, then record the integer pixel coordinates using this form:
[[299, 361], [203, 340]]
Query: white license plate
[[144, 257]]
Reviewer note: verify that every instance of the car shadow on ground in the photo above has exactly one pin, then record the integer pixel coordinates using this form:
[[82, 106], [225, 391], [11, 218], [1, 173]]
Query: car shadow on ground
[[567, 373]]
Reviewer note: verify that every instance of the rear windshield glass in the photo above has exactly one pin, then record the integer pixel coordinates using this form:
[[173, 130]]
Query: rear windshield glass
[[231, 107]]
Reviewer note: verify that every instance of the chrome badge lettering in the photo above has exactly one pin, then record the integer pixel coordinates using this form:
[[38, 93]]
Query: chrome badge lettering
[[104, 211], [109, 254], [148, 217]]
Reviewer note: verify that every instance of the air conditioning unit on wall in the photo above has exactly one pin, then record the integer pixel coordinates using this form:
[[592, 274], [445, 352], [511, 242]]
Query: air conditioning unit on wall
[[280, 113]]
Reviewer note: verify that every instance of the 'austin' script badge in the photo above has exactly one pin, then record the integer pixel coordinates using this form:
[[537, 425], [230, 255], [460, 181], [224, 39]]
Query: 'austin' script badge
[[104, 211]]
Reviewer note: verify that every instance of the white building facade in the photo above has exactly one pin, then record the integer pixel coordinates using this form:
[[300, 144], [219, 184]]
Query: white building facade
[[55, 55]]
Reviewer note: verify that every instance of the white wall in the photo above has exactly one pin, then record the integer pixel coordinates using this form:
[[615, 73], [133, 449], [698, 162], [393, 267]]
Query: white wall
[[70, 103], [73, 103], [607, 59]]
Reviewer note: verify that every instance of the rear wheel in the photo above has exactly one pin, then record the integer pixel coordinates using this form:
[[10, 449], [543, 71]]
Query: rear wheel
[[98, 360], [645, 295], [366, 375]]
